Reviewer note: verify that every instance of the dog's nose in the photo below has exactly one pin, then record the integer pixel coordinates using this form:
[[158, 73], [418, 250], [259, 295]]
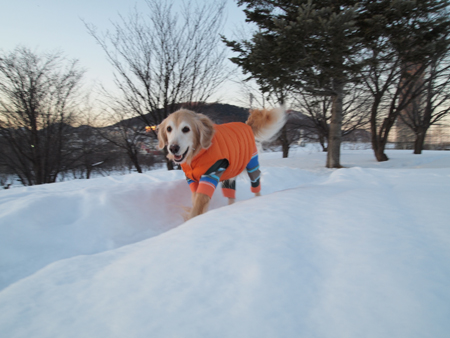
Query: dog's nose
[[174, 148]]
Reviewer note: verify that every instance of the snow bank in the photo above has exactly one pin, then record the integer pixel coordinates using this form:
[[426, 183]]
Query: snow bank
[[356, 252]]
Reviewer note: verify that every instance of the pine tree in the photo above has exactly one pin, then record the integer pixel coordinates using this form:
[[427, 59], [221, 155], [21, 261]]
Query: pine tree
[[320, 46], [314, 47]]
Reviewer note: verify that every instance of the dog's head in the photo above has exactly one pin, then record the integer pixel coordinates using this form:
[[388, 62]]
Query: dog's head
[[185, 133]]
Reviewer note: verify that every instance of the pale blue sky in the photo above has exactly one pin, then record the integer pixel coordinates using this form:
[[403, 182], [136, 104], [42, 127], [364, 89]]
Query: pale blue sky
[[49, 25]]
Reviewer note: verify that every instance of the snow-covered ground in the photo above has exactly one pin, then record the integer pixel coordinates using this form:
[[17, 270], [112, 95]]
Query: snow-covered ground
[[357, 252]]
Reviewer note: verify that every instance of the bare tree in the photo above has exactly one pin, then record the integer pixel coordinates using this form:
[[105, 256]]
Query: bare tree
[[292, 131], [249, 95], [38, 94], [165, 58], [126, 133], [401, 40], [393, 86], [433, 103], [90, 151], [317, 110]]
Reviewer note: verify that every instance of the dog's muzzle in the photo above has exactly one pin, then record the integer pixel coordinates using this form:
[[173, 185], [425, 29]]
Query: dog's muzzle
[[174, 149]]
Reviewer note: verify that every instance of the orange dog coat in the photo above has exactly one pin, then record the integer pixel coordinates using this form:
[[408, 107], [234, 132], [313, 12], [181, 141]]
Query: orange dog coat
[[232, 141]]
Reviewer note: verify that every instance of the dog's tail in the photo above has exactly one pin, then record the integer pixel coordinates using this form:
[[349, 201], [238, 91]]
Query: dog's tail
[[266, 123]]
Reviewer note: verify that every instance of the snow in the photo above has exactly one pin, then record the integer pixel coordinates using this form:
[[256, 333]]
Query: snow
[[362, 251]]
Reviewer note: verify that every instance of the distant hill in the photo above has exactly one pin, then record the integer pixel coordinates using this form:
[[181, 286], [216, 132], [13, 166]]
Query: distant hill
[[224, 113], [218, 112]]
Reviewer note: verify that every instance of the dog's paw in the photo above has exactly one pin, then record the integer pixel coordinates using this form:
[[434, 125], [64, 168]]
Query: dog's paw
[[186, 213]]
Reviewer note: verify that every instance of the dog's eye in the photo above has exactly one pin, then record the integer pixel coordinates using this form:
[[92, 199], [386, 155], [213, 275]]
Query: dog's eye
[[185, 130], [169, 129]]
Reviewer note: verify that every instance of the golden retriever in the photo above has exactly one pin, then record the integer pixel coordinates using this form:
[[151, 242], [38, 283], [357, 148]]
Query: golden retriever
[[192, 140]]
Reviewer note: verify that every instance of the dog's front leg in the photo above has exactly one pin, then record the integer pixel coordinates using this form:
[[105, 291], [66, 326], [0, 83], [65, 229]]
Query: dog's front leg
[[200, 204]]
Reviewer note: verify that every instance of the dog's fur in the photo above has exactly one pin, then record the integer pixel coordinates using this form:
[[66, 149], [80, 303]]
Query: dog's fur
[[185, 133]]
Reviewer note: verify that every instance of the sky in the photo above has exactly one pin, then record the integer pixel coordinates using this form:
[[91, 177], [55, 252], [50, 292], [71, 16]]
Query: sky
[[57, 25]]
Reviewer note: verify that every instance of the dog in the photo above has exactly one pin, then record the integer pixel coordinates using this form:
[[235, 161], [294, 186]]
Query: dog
[[209, 153]]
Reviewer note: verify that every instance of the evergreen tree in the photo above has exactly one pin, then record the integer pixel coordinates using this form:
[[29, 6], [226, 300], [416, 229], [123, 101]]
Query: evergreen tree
[[314, 47], [320, 46]]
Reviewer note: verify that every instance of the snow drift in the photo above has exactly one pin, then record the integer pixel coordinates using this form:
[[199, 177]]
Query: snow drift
[[356, 252]]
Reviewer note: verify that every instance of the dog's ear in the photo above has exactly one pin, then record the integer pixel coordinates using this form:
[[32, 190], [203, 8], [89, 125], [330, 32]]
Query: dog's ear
[[162, 136], [206, 130]]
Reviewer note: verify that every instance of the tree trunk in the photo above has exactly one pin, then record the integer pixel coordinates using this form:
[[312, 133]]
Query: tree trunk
[[379, 154], [322, 143], [88, 172], [285, 150], [169, 164], [135, 161], [378, 147], [419, 141], [378, 144], [335, 134], [284, 142]]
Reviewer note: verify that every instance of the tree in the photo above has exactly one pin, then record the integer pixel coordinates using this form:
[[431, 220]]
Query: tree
[[38, 94], [307, 46], [90, 151], [125, 134], [323, 46], [165, 58], [317, 110], [400, 40], [433, 103]]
